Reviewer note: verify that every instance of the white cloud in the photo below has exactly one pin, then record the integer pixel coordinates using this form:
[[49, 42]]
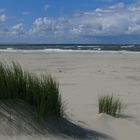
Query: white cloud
[[44, 26], [76, 13], [39, 22], [118, 19], [26, 13], [46, 7], [2, 17], [41, 26], [118, 6], [14, 31]]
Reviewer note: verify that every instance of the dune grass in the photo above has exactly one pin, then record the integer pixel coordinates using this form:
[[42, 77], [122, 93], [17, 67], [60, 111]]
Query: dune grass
[[110, 105], [42, 92]]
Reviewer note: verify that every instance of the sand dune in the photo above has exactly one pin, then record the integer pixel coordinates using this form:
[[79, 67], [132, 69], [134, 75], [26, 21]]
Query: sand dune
[[18, 121], [117, 128], [83, 78]]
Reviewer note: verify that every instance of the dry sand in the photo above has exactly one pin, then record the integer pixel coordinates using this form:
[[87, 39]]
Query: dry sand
[[83, 78]]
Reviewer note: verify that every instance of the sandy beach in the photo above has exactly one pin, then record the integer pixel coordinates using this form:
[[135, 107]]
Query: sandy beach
[[83, 77]]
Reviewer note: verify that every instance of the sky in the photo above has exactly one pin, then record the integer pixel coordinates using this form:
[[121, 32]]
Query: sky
[[70, 21]]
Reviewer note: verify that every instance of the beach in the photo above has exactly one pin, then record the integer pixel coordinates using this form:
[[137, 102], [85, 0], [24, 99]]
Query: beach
[[84, 77]]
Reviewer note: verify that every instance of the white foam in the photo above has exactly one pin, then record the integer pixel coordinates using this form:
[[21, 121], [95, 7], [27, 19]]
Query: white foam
[[64, 51]]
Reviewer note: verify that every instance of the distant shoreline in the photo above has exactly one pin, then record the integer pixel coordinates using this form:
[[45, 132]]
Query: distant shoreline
[[103, 48]]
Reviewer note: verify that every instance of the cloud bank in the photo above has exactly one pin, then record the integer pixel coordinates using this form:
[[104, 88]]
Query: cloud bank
[[115, 20]]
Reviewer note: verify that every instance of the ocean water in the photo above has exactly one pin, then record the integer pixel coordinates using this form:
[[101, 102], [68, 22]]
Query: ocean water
[[66, 48]]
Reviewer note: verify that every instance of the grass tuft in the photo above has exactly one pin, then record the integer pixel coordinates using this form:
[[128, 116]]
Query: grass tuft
[[110, 105], [42, 92]]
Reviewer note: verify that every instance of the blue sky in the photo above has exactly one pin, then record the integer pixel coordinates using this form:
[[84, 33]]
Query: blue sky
[[70, 21]]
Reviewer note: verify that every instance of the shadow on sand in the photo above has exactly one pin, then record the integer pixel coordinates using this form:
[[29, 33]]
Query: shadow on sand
[[18, 118]]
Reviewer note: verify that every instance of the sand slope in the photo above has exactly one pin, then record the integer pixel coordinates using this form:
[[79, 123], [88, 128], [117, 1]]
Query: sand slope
[[19, 121], [117, 128]]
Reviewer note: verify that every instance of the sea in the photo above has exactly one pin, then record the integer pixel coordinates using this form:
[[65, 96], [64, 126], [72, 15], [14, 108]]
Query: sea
[[75, 48]]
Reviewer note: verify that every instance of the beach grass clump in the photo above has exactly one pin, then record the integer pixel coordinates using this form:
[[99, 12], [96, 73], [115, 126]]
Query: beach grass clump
[[42, 92], [110, 105]]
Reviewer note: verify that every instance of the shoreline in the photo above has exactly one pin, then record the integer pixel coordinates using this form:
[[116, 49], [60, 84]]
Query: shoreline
[[10, 50]]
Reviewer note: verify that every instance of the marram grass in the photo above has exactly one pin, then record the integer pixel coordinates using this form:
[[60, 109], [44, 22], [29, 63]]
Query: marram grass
[[110, 105], [42, 92]]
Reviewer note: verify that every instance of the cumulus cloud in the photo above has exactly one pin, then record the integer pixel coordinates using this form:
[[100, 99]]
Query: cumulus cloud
[[14, 31], [118, 19], [114, 20], [44, 26], [17, 30], [41, 26]]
